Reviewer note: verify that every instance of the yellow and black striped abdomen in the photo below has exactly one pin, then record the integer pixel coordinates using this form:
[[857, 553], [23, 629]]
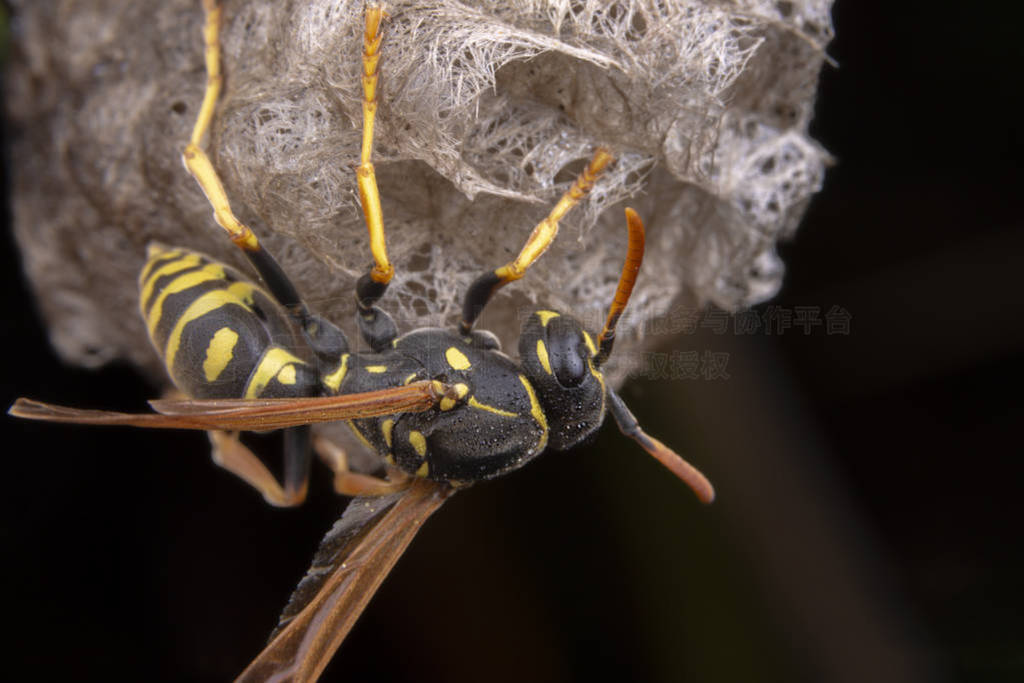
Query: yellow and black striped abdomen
[[219, 335]]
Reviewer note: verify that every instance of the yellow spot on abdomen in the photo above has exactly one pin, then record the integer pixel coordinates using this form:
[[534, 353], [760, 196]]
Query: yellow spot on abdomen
[[419, 443], [542, 355], [456, 359], [275, 363], [211, 301], [219, 352]]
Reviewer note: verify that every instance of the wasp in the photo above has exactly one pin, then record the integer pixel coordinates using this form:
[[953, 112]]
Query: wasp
[[442, 408]]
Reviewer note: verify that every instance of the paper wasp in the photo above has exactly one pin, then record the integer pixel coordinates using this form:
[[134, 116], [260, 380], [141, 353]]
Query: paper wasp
[[442, 408]]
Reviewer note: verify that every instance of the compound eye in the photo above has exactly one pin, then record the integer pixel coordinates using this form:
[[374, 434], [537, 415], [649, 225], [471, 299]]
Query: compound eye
[[567, 351]]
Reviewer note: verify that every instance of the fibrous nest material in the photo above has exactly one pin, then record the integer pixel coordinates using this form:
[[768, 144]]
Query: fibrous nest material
[[487, 112]]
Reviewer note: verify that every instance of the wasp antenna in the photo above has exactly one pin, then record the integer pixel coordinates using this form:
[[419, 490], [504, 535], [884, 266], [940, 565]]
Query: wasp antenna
[[630, 269], [689, 474]]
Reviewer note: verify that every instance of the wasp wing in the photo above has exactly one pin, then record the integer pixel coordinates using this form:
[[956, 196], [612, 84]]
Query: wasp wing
[[244, 414], [354, 558]]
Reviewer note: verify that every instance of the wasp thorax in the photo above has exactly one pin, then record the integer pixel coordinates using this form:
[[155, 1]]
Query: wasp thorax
[[557, 355]]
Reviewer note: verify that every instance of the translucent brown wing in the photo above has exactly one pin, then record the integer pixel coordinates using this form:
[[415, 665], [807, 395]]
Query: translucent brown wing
[[354, 558], [243, 414]]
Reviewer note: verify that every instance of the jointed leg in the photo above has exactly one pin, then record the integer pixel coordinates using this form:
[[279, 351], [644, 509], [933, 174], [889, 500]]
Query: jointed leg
[[349, 483], [540, 239], [232, 455], [376, 326], [324, 337]]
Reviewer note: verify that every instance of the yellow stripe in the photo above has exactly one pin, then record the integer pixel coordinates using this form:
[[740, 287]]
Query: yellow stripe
[[335, 379], [542, 354], [385, 427], [457, 359], [537, 413], [177, 265], [237, 294], [419, 442], [409, 378], [156, 253], [424, 470], [219, 353], [214, 271], [473, 403], [546, 316], [376, 369], [275, 360], [590, 343]]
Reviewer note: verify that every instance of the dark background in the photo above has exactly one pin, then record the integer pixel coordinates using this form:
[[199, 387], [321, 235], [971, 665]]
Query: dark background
[[869, 482]]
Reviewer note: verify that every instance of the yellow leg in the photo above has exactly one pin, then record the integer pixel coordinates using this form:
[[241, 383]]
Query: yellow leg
[[540, 239], [232, 455], [349, 483], [365, 175], [544, 234], [195, 159]]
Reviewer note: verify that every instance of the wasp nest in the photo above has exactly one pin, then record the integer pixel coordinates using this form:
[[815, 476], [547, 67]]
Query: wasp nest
[[487, 112]]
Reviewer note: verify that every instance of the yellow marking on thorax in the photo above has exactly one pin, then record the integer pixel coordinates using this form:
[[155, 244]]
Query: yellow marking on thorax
[[385, 427], [447, 403], [219, 352], [536, 412], [546, 316], [287, 375], [274, 363], [423, 470], [418, 442], [236, 294], [376, 369], [542, 354], [177, 265], [335, 379], [214, 271], [473, 403], [409, 378], [590, 343], [456, 359]]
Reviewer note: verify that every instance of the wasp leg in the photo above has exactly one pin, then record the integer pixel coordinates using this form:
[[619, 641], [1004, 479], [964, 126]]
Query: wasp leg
[[349, 483], [232, 455], [376, 326], [540, 239], [326, 340]]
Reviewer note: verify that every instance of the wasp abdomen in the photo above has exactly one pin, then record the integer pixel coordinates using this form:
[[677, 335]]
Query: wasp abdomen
[[219, 335]]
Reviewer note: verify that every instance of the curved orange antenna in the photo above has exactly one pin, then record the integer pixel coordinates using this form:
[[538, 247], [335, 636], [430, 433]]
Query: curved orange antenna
[[630, 270]]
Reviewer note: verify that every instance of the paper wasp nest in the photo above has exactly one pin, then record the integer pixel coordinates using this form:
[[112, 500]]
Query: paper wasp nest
[[487, 112]]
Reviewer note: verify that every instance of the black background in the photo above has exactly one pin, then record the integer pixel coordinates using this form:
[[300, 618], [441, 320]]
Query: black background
[[869, 483]]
